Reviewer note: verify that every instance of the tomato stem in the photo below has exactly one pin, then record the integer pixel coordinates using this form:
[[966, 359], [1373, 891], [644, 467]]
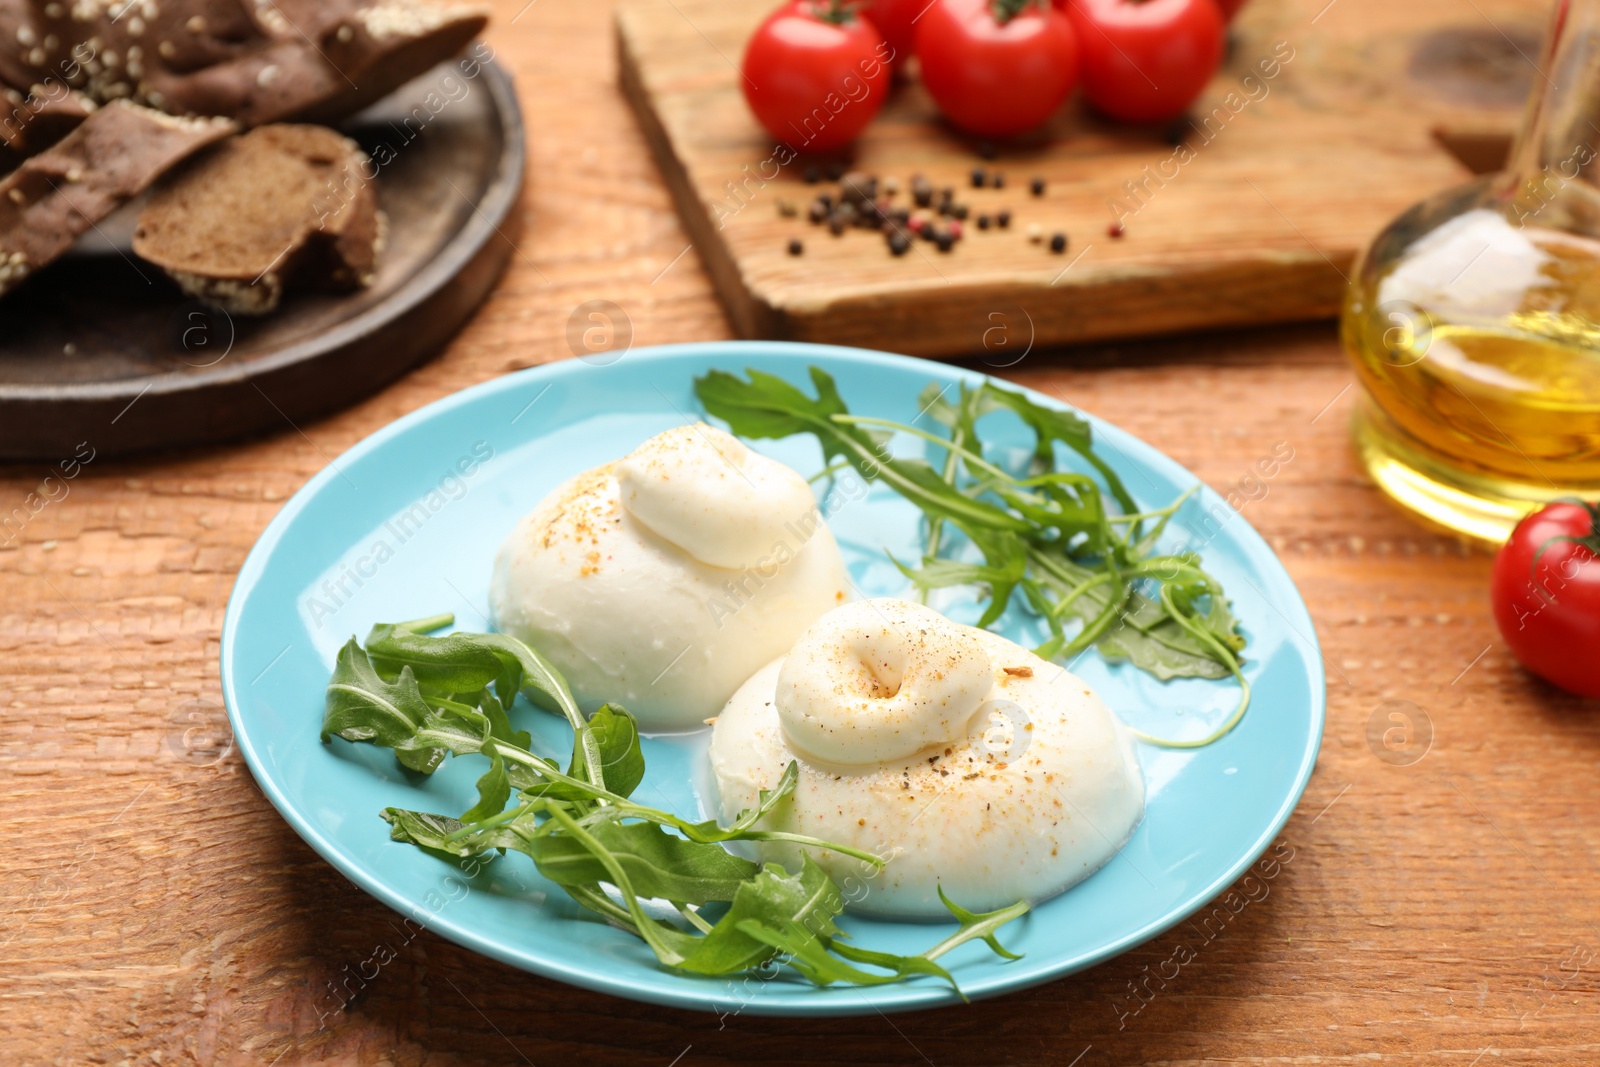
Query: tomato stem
[[1006, 10], [1591, 540], [837, 12]]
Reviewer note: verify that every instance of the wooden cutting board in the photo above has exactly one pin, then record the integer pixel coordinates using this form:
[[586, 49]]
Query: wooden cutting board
[[1327, 120]]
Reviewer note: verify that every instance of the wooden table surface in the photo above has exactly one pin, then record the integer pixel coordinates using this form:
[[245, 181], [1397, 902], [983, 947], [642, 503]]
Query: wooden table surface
[[156, 909]]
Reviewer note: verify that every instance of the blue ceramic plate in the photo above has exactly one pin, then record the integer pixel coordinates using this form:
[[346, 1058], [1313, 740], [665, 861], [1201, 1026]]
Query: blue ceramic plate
[[407, 522]]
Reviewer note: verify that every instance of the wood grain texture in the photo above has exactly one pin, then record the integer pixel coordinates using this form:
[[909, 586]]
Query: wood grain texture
[[154, 909], [1320, 128]]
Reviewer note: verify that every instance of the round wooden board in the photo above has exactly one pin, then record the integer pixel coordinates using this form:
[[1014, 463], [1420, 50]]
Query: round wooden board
[[102, 346]]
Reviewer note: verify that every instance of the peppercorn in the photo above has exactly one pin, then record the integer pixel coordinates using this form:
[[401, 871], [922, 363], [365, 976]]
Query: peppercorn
[[898, 242], [858, 187], [954, 229], [1036, 187], [795, 247], [978, 177], [818, 211], [997, 181], [983, 222], [813, 174], [945, 241], [835, 170], [958, 211], [1003, 220], [837, 224], [921, 190], [1115, 229], [1058, 243], [787, 209]]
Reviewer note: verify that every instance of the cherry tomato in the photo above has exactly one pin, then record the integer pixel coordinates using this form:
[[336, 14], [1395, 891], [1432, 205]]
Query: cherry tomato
[[815, 74], [1146, 60], [1546, 595], [896, 20], [996, 67]]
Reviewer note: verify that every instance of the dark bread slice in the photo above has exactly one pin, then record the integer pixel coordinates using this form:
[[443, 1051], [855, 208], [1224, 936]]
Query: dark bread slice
[[280, 205], [54, 197], [326, 74], [251, 60]]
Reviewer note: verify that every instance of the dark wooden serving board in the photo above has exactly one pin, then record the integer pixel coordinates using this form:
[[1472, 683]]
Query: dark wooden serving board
[[100, 347], [1260, 225]]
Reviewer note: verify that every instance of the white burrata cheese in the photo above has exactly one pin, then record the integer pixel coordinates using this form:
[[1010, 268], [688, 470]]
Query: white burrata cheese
[[971, 763], [661, 581]]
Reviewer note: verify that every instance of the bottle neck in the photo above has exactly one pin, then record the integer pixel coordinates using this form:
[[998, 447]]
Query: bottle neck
[[1552, 176]]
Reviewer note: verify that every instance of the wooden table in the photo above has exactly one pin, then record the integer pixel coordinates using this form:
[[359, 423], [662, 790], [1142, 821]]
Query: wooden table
[[158, 911]]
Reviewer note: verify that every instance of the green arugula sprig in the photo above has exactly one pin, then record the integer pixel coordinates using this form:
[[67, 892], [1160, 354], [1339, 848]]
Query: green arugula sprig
[[432, 697], [1044, 532]]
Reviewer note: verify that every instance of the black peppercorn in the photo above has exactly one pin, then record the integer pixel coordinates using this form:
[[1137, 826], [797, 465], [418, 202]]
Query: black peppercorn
[[1003, 220], [835, 170], [813, 174], [795, 247], [899, 242], [977, 177], [1036, 187], [1058, 243], [946, 240], [983, 222]]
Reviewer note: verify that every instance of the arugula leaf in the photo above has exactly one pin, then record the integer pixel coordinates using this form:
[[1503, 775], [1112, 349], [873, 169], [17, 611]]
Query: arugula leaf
[[616, 735], [430, 833], [658, 864], [361, 705], [812, 952], [809, 899], [494, 789]]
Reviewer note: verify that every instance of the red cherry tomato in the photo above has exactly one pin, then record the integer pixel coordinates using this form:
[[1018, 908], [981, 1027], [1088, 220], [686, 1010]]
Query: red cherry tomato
[[897, 21], [1146, 60], [1546, 595], [815, 74], [996, 67]]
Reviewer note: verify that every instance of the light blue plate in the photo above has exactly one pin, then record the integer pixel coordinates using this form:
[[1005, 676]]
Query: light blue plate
[[406, 524]]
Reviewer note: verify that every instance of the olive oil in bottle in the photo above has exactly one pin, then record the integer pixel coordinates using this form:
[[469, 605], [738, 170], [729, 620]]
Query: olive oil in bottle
[[1473, 321]]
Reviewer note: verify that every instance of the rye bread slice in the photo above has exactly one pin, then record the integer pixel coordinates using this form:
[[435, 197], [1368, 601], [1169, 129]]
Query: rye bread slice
[[255, 61], [280, 206], [52, 198]]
